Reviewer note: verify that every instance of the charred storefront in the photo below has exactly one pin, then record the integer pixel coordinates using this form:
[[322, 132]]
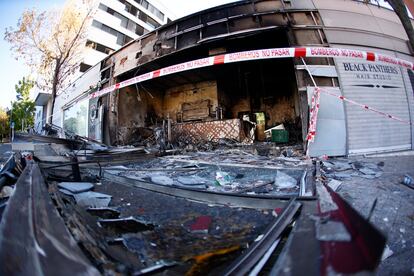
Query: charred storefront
[[186, 93], [236, 101]]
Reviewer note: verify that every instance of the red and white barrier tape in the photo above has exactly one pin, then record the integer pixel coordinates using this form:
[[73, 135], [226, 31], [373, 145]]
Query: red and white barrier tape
[[313, 114], [257, 55], [366, 107]]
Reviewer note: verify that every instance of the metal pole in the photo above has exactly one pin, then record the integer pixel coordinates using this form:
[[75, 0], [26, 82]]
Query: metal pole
[[11, 121], [169, 128]]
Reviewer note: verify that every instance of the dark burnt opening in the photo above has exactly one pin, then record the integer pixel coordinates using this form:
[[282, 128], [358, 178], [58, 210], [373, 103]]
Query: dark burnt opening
[[242, 90]]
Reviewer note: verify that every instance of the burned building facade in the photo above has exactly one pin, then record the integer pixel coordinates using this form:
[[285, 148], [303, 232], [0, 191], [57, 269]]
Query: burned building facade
[[216, 99]]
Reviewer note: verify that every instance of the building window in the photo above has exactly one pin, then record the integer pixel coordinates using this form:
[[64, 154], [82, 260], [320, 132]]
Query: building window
[[152, 9], [139, 30], [123, 19], [149, 20], [75, 119], [99, 47], [131, 9], [127, 39], [121, 38], [83, 67], [153, 23], [125, 22]]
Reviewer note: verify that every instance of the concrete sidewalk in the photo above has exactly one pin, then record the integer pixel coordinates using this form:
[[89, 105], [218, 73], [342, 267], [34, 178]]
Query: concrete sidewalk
[[394, 213]]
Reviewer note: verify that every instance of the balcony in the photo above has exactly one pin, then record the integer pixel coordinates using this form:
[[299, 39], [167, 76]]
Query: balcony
[[41, 97]]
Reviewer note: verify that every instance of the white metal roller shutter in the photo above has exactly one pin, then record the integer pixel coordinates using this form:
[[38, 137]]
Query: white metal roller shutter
[[382, 88]]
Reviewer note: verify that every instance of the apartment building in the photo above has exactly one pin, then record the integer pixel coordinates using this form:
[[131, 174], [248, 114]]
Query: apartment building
[[114, 24]]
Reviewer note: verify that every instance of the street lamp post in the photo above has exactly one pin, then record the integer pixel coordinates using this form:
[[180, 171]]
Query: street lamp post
[[11, 123]]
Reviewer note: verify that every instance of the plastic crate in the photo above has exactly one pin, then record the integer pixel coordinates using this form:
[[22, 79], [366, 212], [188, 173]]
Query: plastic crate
[[280, 136]]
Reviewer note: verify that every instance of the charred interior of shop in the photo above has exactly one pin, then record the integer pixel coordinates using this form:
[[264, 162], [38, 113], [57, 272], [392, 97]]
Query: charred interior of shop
[[234, 102], [234, 99]]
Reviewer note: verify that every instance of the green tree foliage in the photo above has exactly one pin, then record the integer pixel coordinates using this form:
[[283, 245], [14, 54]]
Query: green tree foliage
[[23, 108], [4, 124], [51, 43]]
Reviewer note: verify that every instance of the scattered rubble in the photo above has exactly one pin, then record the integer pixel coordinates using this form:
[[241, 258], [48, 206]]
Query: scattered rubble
[[162, 179], [387, 253], [185, 213], [408, 181], [285, 181], [88, 198], [230, 170], [6, 191], [334, 184], [76, 187], [340, 169]]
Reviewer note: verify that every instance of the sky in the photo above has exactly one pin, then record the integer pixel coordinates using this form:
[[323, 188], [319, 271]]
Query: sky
[[10, 11], [12, 70]]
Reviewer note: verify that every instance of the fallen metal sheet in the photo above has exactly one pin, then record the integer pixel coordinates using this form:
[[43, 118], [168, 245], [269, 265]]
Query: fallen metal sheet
[[228, 199], [158, 266], [259, 266], [101, 159], [33, 237], [92, 199], [76, 187], [78, 142], [301, 254], [89, 199], [247, 261], [6, 171]]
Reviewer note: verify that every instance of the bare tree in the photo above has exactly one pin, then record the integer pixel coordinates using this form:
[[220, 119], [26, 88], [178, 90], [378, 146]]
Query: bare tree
[[51, 42]]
